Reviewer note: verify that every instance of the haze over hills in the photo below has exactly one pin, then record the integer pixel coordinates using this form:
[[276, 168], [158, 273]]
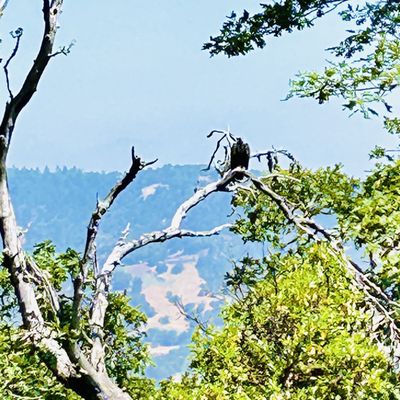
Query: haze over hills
[[57, 206]]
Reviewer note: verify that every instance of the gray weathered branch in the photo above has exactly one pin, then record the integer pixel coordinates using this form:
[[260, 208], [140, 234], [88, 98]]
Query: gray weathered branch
[[14, 258], [124, 247], [89, 255], [68, 365]]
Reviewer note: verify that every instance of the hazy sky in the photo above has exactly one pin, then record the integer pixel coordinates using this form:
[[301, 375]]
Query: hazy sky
[[137, 76]]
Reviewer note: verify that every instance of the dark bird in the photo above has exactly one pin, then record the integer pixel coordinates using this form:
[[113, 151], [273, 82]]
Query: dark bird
[[240, 156], [270, 162]]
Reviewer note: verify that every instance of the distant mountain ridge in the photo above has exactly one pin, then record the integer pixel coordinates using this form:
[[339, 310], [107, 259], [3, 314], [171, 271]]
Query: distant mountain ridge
[[57, 206]]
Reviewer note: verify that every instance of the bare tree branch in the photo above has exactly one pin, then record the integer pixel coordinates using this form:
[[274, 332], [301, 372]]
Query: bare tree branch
[[29, 86], [124, 247], [191, 316], [22, 275], [3, 7], [229, 138], [14, 257], [65, 50], [89, 254], [285, 153], [17, 35]]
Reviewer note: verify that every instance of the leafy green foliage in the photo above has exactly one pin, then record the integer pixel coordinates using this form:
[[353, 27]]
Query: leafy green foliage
[[44, 255], [7, 298], [392, 125], [300, 332], [373, 224], [298, 327], [367, 69], [23, 371], [360, 83], [365, 213], [241, 34], [323, 192], [126, 355]]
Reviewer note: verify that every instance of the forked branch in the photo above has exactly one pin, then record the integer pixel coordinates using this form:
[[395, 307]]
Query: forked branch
[[51, 11], [125, 247], [89, 255], [17, 34]]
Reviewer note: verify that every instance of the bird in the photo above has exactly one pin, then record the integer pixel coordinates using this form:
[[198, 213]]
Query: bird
[[240, 156]]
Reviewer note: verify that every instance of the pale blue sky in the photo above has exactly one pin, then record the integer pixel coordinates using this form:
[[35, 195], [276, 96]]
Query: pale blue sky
[[137, 76]]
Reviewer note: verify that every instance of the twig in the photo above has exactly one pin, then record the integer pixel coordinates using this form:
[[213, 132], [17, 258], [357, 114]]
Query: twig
[[194, 317], [3, 7], [226, 135], [272, 157], [17, 34], [64, 50]]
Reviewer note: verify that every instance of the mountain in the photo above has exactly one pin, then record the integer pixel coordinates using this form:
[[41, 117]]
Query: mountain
[[56, 205]]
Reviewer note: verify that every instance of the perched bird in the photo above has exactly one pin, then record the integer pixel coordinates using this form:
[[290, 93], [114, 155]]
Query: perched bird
[[240, 156]]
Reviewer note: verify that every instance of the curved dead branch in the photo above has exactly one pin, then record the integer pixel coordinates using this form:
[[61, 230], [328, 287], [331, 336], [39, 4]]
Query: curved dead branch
[[125, 247]]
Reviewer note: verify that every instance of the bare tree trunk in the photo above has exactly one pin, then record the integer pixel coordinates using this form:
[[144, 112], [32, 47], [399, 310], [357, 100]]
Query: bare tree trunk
[[88, 382], [68, 365]]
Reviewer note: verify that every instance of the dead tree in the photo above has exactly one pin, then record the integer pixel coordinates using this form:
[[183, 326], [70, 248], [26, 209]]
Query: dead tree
[[84, 372]]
